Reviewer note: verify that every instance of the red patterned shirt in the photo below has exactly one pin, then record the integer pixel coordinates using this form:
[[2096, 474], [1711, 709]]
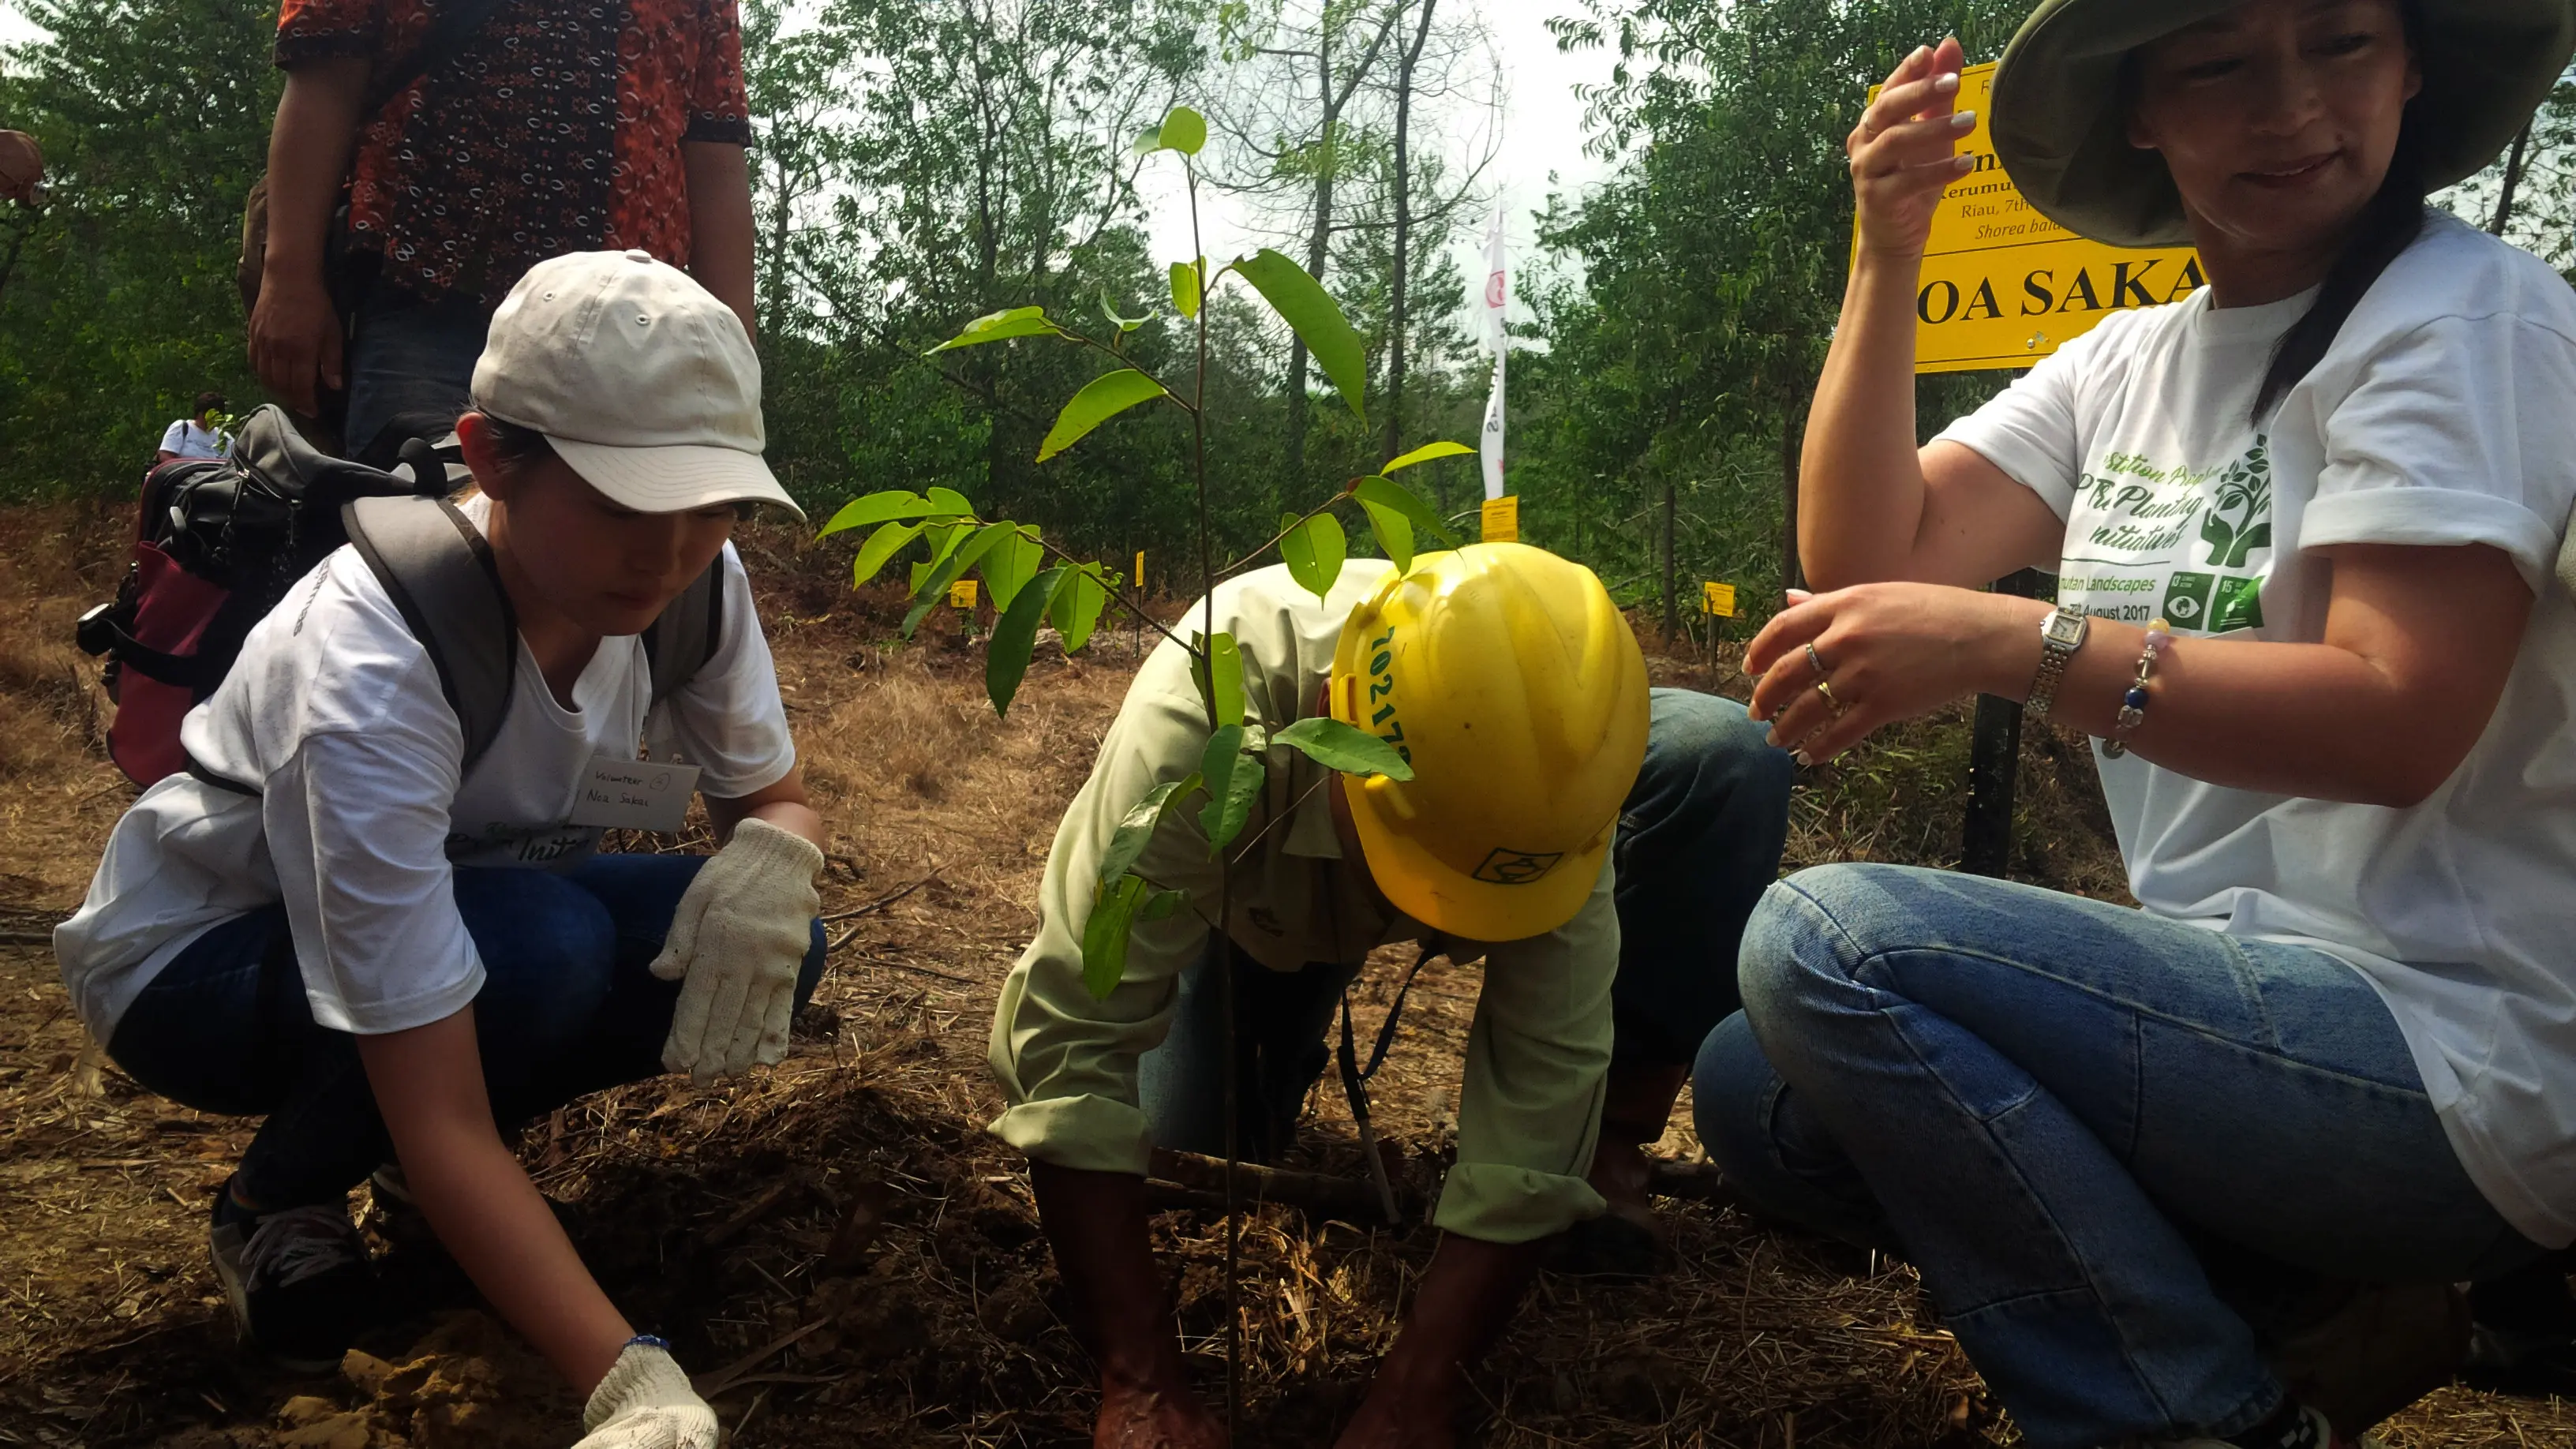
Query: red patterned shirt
[[555, 128]]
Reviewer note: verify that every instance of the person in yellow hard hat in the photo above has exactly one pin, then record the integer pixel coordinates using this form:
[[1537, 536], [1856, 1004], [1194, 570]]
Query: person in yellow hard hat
[[1597, 843]]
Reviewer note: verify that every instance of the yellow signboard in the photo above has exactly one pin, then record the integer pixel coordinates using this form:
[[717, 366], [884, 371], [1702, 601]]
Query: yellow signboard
[[2004, 286], [962, 593], [1718, 599], [1502, 519]]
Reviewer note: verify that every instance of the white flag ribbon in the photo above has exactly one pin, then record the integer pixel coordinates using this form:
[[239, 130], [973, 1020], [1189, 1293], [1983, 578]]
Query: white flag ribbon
[[1497, 299]]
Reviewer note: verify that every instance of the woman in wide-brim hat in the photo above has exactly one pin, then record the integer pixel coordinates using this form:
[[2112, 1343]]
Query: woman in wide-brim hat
[[2303, 523]]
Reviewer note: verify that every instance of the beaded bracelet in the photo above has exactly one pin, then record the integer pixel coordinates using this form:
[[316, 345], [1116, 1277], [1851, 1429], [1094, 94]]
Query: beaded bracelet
[[2133, 705]]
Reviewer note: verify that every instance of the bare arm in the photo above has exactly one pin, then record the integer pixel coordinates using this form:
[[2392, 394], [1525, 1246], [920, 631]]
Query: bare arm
[[295, 331], [1872, 508], [1095, 1221], [428, 1082], [2379, 713], [720, 224], [1467, 1296], [783, 804]]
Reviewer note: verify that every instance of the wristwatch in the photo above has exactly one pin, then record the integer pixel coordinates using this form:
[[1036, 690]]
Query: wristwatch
[[2060, 635]]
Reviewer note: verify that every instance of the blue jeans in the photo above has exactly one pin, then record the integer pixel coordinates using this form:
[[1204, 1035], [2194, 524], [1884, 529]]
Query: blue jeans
[[2056, 1108], [1699, 840], [409, 356], [567, 1008]]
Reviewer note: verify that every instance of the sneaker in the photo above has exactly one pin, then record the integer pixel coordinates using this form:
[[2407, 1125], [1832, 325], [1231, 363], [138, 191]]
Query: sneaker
[[298, 1279]]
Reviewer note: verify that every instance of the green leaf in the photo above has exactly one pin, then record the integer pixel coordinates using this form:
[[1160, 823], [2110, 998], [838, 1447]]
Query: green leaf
[[1394, 535], [1147, 142], [1001, 326], [882, 545], [1143, 818], [1221, 679], [949, 503], [933, 587], [1013, 562], [944, 538], [1233, 779], [1427, 452], [886, 507], [1185, 286], [1104, 936], [1347, 748], [1387, 493], [1102, 398], [1313, 551], [1304, 305], [1109, 310], [1015, 633], [1078, 602], [1162, 905], [1184, 130]]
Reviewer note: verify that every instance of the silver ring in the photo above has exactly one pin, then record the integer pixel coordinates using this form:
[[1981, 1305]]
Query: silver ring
[[1817, 660]]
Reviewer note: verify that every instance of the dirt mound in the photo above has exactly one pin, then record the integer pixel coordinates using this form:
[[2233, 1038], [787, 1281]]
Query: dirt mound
[[469, 1383]]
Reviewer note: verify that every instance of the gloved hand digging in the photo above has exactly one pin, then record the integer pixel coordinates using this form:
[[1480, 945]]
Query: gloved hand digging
[[645, 1402], [741, 931]]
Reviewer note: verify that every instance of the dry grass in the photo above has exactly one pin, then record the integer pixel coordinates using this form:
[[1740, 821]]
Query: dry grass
[[837, 1242]]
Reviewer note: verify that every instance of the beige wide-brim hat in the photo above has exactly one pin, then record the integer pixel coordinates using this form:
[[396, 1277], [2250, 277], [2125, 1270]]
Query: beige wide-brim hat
[[2059, 110]]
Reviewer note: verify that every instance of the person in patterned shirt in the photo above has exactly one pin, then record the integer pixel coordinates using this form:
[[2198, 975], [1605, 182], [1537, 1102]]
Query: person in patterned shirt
[[550, 128]]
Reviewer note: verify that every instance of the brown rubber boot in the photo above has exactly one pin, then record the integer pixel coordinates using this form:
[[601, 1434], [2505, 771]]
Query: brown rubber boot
[[1628, 1241]]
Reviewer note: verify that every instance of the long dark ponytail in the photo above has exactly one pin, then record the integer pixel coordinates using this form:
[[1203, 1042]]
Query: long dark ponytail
[[2387, 226]]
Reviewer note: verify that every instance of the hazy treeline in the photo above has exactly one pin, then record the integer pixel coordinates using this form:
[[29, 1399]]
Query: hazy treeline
[[921, 162]]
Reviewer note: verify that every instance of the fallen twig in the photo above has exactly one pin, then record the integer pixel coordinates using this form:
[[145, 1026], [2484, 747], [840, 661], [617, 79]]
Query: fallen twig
[[710, 1385], [881, 902]]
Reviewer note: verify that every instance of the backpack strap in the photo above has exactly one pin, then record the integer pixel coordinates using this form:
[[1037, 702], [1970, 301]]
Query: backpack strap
[[680, 643], [434, 564]]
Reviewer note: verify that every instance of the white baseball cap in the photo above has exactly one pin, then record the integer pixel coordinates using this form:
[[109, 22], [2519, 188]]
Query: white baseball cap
[[646, 385]]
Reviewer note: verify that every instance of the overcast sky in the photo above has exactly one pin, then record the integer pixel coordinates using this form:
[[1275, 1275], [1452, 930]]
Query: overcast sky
[[1542, 145]]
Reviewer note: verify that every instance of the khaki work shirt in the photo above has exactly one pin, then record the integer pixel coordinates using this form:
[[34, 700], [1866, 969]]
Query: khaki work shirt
[[1540, 1043]]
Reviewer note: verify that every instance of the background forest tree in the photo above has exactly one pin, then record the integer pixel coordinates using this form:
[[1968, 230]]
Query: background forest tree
[[918, 163]]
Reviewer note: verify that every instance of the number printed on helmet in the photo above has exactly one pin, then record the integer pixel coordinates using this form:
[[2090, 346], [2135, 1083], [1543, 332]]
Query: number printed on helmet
[[1382, 684]]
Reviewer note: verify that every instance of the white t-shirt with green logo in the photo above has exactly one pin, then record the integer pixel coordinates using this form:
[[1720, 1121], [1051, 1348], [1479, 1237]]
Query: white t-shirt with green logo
[[2444, 414]]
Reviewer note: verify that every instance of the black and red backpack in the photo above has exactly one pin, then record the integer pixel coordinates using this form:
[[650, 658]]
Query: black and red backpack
[[219, 541]]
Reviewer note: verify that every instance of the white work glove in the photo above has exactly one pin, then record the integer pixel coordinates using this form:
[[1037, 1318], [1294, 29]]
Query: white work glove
[[743, 927], [645, 1402]]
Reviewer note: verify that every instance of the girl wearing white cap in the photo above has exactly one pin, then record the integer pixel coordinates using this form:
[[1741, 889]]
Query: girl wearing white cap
[[2303, 525], [396, 948]]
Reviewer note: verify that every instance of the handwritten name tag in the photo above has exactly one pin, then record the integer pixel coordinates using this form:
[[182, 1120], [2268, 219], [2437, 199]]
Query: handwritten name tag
[[634, 794]]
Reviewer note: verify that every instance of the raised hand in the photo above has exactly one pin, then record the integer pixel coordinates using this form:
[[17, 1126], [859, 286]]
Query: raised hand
[[1905, 151]]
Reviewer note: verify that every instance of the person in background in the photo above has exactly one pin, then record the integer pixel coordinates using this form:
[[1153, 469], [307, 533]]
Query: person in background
[[197, 436], [334, 921], [2303, 524], [544, 131], [1597, 844], [22, 169]]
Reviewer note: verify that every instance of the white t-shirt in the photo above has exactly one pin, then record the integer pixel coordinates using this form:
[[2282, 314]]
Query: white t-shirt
[[191, 439], [334, 711], [2444, 414]]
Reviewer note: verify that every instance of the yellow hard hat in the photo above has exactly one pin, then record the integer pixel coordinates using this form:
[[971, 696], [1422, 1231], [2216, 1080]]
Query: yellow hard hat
[[1510, 681]]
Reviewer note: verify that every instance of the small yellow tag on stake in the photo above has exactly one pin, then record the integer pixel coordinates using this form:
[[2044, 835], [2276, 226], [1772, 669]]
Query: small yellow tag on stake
[[962, 593], [1138, 582], [1502, 519], [1718, 599]]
